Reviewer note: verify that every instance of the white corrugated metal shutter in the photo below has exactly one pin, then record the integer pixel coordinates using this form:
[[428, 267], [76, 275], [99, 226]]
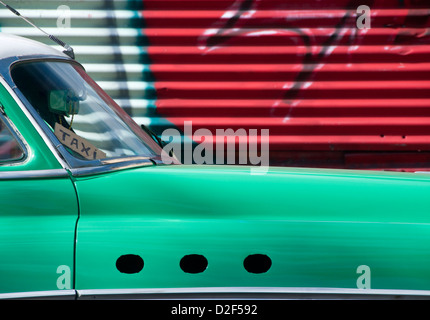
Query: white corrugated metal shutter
[[106, 37]]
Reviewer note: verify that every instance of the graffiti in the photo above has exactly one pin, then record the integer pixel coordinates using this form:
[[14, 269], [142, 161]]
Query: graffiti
[[111, 20], [315, 45], [325, 87]]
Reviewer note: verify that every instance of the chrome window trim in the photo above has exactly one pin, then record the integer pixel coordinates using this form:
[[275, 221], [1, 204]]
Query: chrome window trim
[[110, 167], [263, 293]]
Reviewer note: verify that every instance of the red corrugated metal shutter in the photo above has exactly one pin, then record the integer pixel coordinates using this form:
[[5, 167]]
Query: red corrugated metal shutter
[[332, 95]]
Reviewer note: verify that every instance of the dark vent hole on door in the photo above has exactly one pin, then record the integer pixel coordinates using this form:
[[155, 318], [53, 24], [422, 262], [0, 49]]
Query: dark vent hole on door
[[129, 263], [257, 263], [193, 263]]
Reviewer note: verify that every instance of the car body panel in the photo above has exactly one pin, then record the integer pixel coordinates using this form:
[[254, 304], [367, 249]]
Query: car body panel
[[317, 226], [39, 211], [37, 232]]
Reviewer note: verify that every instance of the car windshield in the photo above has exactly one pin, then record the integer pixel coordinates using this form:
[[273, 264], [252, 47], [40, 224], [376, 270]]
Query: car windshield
[[83, 117]]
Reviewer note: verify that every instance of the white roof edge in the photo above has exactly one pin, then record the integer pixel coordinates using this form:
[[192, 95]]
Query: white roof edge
[[15, 46]]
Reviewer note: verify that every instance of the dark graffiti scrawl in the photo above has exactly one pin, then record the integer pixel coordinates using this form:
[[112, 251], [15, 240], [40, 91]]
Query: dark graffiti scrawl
[[315, 45]]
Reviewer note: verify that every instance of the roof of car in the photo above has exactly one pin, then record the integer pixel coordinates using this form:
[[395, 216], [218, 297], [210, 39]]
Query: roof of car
[[15, 46]]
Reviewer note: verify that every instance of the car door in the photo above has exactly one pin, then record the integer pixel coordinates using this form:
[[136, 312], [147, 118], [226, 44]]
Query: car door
[[38, 208]]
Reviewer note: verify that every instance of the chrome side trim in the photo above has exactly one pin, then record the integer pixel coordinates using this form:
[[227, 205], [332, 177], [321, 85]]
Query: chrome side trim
[[267, 293], [260, 293], [33, 174], [43, 295]]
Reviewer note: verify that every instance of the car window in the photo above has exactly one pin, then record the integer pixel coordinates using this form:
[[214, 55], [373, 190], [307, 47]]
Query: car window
[[85, 120], [10, 149]]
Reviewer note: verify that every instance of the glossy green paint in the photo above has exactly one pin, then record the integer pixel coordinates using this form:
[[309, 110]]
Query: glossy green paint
[[37, 216], [317, 226], [37, 224]]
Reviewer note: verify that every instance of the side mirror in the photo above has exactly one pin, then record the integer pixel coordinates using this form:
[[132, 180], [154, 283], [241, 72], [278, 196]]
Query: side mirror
[[63, 102], [160, 142]]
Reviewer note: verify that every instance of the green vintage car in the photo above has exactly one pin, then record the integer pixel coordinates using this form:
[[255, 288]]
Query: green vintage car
[[89, 209]]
